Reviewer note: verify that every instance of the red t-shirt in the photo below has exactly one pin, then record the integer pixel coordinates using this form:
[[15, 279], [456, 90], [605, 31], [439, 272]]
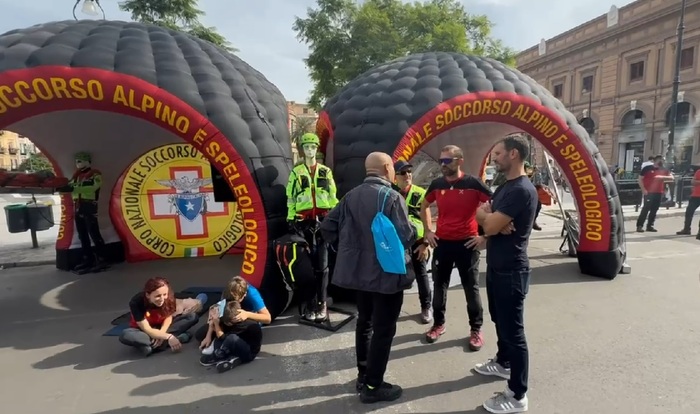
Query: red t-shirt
[[696, 187], [140, 310], [649, 180], [457, 202]]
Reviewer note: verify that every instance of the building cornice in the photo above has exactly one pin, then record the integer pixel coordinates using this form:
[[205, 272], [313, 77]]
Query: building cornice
[[645, 20]]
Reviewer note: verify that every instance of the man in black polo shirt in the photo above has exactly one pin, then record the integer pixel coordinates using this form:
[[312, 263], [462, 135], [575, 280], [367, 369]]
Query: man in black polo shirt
[[507, 222], [455, 240]]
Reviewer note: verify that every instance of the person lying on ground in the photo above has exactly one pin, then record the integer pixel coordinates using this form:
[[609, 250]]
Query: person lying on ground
[[153, 326], [252, 304], [234, 342]]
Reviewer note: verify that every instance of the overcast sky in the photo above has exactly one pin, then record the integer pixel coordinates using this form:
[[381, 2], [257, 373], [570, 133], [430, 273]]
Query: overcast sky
[[262, 29]]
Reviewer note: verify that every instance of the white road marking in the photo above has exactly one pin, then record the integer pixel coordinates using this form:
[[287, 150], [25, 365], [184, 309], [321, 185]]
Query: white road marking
[[50, 298]]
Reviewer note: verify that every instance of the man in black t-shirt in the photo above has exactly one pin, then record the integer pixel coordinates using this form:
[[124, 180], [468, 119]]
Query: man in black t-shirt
[[507, 223]]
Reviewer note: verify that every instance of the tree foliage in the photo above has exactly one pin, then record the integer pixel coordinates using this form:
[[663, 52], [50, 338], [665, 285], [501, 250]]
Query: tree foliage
[[35, 162], [302, 125], [347, 38], [182, 15]]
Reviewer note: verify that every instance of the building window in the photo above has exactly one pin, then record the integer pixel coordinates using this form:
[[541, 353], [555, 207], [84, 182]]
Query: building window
[[687, 58], [305, 111], [636, 71], [558, 91], [587, 84]]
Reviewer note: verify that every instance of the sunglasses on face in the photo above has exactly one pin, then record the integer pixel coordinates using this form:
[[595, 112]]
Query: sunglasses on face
[[405, 172], [445, 161]]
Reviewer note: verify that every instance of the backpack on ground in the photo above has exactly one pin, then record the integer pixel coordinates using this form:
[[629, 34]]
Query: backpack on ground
[[390, 251]]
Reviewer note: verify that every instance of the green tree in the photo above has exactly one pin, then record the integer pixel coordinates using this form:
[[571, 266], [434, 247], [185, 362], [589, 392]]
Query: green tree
[[182, 15], [347, 38], [35, 162], [302, 125]]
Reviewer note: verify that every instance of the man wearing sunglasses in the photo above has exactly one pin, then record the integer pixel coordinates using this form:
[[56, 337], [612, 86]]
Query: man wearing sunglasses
[[456, 240], [414, 196]]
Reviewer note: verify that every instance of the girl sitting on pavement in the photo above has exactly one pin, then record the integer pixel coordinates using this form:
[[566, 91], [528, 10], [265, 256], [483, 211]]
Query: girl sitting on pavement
[[230, 342], [252, 305], [153, 326]]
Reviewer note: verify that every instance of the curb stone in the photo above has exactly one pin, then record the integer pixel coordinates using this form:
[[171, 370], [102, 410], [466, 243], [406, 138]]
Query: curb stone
[[10, 265]]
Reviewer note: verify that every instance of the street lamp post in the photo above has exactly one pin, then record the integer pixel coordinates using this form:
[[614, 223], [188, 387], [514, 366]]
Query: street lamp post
[[676, 83]]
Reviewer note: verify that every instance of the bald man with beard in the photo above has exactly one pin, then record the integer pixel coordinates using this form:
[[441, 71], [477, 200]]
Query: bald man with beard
[[380, 294]]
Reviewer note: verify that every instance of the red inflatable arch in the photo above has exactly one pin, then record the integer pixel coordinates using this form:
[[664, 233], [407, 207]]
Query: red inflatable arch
[[542, 123], [36, 91]]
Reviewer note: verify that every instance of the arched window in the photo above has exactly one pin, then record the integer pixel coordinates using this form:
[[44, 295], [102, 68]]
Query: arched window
[[588, 124], [685, 112], [633, 119]]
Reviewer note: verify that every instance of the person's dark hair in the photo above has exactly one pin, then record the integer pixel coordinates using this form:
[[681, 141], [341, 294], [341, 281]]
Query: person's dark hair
[[155, 283], [518, 143], [651, 158], [230, 312], [658, 158]]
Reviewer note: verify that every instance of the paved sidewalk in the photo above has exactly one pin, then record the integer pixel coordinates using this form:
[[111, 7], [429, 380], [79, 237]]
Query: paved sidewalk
[[16, 248], [597, 346]]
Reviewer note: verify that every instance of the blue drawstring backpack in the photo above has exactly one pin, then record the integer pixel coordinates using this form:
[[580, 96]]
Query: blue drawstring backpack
[[390, 250]]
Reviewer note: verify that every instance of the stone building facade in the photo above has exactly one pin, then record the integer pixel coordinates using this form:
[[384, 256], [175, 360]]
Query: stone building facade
[[14, 149], [615, 74]]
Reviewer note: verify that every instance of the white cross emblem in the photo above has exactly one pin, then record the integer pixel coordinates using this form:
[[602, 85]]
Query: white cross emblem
[[461, 191]]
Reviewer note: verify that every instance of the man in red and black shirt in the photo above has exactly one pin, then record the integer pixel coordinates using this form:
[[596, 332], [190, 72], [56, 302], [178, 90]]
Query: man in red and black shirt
[[652, 181], [456, 239]]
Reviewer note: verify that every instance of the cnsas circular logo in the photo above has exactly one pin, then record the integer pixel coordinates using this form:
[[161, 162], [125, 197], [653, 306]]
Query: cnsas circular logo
[[167, 202]]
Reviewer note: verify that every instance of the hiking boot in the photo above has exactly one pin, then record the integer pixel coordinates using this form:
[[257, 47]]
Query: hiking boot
[[651, 229], [384, 392], [505, 403], [435, 333], [684, 232], [228, 365], [322, 314], [476, 340], [640, 229], [426, 315], [492, 368], [536, 226]]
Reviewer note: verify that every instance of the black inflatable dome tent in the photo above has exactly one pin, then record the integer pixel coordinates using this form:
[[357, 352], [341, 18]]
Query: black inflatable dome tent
[[241, 117], [428, 100]]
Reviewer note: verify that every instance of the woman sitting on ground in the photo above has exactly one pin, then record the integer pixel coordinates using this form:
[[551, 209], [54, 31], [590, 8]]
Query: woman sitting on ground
[[153, 326], [229, 342], [252, 305]]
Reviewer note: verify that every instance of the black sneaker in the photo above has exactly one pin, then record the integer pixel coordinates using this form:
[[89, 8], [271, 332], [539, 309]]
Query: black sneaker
[[698, 236], [146, 350], [184, 337], [536, 227], [384, 392], [209, 360], [359, 383], [684, 232], [228, 365], [651, 229], [640, 229]]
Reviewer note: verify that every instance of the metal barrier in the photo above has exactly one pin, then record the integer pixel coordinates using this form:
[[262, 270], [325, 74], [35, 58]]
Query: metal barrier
[[631, 195]]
